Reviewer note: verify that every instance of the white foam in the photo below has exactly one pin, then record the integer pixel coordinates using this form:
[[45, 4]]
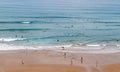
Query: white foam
[[26, 22], [14, 47], [10, 39], [93, 45], [67, 48]]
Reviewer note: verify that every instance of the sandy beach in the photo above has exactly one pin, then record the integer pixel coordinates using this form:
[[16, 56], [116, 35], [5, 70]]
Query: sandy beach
[[53, 61], [59, 35]]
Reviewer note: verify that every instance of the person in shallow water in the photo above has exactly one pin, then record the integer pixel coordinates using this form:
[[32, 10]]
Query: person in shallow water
[[16, 36], [2, 39], [21, 36]]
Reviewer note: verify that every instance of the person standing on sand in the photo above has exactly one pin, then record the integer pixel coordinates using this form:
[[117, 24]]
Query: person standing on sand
[[81, 60], [22, 62], [64, 54], [71, 63]]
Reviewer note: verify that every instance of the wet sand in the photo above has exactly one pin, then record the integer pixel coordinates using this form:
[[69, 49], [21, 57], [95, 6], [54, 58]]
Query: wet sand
[[53, 61]]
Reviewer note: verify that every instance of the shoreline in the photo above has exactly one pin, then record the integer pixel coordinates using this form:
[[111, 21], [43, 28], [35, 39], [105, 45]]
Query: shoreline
[[26, 58], [71, 48]]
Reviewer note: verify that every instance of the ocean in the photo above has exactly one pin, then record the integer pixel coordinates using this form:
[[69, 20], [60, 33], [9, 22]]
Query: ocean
[[58, 22]]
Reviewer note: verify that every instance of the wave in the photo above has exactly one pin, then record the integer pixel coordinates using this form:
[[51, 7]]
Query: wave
[[78, 20], [48, 17], [102, 29], [11, 39], [113, 25], [26, 22], [14, 22], [23, 29], [29, 22], [105, 22]]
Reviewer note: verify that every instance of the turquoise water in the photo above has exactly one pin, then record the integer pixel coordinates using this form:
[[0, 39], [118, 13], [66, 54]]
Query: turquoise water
[[51, 22]]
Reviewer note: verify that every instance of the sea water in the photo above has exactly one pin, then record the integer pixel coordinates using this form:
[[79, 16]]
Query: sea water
[[56, 22]]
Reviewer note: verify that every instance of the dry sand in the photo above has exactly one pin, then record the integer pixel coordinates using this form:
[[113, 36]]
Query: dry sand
[[111, 68], [52, 61], [45, 68]]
